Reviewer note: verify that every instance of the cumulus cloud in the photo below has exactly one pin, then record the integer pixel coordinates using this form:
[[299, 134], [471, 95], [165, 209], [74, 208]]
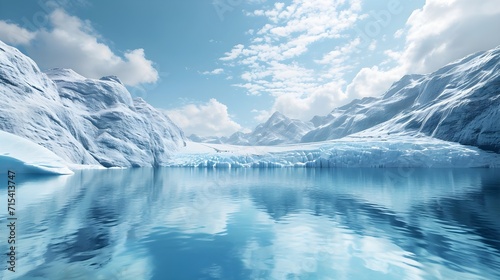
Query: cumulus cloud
[[372, 81], [209, 119], [445, 30], [305, 106], [15, 35], [73, 43]]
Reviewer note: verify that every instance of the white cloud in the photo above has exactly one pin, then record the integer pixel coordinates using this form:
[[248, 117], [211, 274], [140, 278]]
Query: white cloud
[[373, 45], [270, 60], [217, 71], [209, 119], [399, 33], [306, 106], [270, 63], [340, 54], [234, 53], [72, 43], [14, 35], [446, 30], [372, 81]]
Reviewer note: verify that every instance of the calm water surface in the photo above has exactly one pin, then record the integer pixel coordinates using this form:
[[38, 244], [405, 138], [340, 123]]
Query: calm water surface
[[257, 224]]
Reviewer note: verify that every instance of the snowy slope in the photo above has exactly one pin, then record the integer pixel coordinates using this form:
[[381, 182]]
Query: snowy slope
[[278, 129], [84, 121], [23, 156], [459, 103], [401, 151]]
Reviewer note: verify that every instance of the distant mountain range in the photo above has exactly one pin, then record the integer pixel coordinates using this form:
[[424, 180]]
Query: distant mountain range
[[278, 129]]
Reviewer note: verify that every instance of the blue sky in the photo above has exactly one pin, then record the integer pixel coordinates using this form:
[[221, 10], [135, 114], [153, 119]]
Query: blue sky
[[219, 66]]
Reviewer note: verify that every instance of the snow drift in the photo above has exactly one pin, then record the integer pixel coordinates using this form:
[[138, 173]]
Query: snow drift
[[23, 156]]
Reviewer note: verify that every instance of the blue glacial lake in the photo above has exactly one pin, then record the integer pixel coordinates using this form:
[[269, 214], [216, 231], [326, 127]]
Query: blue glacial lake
[[181, 223]]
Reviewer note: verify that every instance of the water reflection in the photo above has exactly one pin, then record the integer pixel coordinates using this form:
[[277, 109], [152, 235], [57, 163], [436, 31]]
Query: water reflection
[[259, 224]]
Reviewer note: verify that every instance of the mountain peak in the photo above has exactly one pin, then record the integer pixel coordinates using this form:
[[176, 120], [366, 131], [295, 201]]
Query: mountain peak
[[278, 129], [277, 116]]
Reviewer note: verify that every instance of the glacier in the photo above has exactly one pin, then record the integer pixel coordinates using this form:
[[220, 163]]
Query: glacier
[[354, 151], [23, 156], [84, 121]]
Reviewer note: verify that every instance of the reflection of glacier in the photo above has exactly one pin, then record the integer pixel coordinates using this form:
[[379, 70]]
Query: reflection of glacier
[[260, 223]]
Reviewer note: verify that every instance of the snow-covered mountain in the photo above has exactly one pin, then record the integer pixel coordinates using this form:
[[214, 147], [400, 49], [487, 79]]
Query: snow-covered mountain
[[208, 139], [458, 103], [278, 129], [84, 121]]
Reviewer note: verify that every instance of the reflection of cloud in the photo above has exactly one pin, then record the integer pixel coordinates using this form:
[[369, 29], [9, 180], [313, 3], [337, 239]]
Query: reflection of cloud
[[381, 255], [123, 267], [201, 206], [303, 245], [317, 246], [210, 219]]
